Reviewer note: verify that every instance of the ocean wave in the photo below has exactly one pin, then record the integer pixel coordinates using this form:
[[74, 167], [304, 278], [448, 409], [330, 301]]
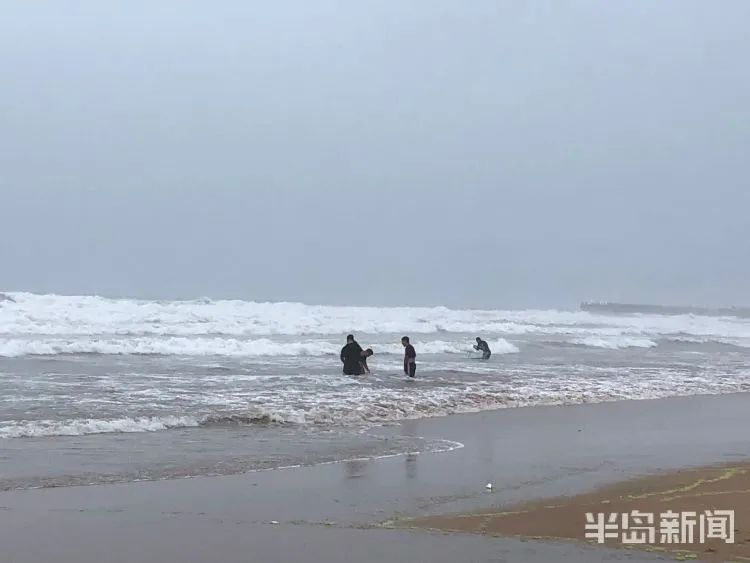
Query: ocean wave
[[616, 343], [81, 427], [259, 416], [728, 342], [368, 406], [498, 346], [126, 425], [27, 314], [175, 346]]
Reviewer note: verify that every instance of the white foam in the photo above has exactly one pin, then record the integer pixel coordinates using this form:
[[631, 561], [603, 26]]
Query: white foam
[[498, 346], [367, 404], [462, 346], [615, 343], [53, 324], [32, 314], [739, 342], [79, 427], [179, 346]]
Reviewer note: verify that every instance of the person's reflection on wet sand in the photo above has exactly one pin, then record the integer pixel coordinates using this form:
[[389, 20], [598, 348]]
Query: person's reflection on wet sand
[[411, 465], [356, 468]]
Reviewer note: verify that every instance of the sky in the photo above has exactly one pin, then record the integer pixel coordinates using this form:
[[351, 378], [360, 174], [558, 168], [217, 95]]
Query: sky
[[429, 152]]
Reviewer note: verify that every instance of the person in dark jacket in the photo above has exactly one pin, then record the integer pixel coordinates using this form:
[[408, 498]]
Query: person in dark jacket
[[351, 356], [483, 347], [410, 357]]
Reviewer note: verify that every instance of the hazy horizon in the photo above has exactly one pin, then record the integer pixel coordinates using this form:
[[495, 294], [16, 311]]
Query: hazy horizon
[[487, 155], [214, 298]]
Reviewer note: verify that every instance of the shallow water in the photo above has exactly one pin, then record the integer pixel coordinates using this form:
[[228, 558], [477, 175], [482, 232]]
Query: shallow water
[[98, 390]]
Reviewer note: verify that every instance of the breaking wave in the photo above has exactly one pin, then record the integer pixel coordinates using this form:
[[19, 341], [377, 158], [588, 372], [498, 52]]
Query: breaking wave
[[369, 406], [30, 314], [175, 346], [726, 342], [52, 324], [39, 428], [81, 427], [616, 343]]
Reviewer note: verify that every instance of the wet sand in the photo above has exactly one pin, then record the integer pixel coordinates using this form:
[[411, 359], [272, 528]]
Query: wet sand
[[699, 491], [335, 512]]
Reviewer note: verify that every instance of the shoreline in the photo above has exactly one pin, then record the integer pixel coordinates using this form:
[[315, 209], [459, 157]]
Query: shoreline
[[377, 441], [332, 512]]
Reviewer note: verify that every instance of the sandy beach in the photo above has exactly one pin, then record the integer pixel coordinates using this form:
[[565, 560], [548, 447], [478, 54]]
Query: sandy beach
[[338, 512], [682, 499]]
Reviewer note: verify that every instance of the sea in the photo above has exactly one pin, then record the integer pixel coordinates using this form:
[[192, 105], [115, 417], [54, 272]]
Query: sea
[[99, 390]]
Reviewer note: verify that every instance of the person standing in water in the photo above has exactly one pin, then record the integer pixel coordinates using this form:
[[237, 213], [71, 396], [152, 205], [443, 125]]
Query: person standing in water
[[363, 361], [410, 357], [351, 356], [483, 347]]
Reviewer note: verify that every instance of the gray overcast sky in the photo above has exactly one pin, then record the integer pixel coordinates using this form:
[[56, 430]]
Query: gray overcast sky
[[475, 153]]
